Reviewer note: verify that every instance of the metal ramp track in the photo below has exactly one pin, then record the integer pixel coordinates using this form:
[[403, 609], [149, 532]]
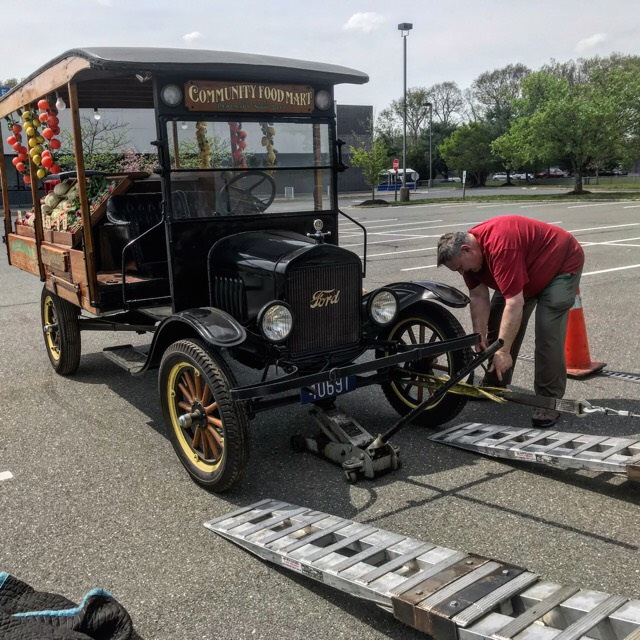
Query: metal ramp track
[[451, 595], [554, 448]]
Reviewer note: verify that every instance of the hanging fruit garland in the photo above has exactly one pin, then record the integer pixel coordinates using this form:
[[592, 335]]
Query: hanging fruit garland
[[237, 138], [15, 142], [268, 132], [204, 148], [41, 145], [48, 118]]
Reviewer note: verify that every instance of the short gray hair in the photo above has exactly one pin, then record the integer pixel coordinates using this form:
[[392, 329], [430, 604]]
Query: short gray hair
[[449, 245]]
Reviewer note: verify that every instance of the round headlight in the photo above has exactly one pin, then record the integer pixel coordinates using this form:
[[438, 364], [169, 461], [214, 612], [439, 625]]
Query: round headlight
[[171, 95], [383, 307], [323, 100], [276, 322]]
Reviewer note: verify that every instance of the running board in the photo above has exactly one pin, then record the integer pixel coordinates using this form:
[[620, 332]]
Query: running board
[[128, 357], [554, 448], [451, 595]]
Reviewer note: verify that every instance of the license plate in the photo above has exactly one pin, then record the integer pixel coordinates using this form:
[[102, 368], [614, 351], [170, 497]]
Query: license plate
[[327, 389]]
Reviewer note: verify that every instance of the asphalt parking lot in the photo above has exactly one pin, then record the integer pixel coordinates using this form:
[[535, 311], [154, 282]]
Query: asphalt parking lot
[[92, 494]]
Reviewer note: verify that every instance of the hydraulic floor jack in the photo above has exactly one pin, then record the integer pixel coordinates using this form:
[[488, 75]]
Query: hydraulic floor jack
[[344, 441]]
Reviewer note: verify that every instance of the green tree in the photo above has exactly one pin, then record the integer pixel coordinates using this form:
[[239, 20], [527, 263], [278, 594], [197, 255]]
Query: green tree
[[494, 93], [469, 148], [9, 82], [588, 123], [370, 162]]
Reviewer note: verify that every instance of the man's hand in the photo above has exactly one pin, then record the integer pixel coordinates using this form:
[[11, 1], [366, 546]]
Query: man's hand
[[502, 362], [482, 345]]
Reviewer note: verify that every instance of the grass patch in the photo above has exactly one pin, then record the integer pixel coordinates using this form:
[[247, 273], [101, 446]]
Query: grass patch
[[519, 197]]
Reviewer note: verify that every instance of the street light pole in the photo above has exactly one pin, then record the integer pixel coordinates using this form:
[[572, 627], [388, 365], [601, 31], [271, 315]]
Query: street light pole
[[404, 28], [430, 105]]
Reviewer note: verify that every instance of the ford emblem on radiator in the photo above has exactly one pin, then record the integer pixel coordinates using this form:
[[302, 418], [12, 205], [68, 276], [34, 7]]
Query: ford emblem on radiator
[[323, 298]]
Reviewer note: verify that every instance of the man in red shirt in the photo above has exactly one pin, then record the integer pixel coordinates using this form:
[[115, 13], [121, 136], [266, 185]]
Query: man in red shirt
[[527, 263]]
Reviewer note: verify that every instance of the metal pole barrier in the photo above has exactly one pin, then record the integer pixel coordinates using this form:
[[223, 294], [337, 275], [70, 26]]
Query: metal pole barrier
[[395, 187]]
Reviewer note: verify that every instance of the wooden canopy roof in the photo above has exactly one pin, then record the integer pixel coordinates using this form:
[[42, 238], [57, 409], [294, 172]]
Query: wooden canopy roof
[[106, 76]]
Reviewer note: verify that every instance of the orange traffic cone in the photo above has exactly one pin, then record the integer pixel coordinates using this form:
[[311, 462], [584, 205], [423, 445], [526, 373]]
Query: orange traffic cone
[[576, 346]]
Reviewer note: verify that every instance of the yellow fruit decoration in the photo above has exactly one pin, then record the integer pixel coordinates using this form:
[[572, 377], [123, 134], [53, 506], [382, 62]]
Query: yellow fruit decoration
[[40, 139], [32, 142], [38, 148], [26, 115], [36, 159], [41, 173], [36, 123], [30, 131]]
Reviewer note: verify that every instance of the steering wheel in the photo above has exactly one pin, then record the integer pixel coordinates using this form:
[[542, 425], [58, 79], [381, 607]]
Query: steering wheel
[[239, 192]]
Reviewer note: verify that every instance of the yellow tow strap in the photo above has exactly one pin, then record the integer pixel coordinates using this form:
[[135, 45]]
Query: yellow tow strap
[[496, 394]]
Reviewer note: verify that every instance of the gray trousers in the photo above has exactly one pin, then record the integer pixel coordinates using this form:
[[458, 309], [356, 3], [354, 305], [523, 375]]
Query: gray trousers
[[552, 306]]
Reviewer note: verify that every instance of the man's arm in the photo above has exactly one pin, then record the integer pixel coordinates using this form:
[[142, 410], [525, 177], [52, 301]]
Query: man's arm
[[509, 327], [479, 308]]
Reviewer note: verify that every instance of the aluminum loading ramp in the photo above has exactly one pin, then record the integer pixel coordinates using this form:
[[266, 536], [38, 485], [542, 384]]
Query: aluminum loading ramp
[[554, 448], [451, 595]]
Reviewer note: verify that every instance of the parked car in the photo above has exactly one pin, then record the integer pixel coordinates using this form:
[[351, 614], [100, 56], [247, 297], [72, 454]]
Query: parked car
[[500, 176], [521, 176], [553, 172]]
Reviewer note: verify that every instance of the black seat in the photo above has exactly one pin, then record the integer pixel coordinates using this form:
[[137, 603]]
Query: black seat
[[131, 215], [192, 204]]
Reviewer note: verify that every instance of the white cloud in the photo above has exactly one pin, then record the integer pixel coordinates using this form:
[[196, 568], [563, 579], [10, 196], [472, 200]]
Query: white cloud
[[190, 37], [364, 21], [589, 43]]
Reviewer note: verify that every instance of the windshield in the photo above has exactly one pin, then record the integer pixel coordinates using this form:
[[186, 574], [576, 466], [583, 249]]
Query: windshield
[[250, 167]]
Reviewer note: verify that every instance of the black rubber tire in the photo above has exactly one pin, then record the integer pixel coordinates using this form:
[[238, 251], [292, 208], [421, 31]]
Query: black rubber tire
[[439, 324], [63, 342], [214, 473]]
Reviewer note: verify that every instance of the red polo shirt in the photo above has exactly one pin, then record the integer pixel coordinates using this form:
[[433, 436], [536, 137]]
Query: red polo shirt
[[521, 254]]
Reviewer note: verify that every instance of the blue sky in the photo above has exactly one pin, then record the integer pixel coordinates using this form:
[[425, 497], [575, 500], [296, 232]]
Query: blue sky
[[449, 41]]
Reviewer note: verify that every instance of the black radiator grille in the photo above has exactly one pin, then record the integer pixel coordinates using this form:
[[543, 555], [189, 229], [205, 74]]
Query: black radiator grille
[[326, 304], [227, 293]]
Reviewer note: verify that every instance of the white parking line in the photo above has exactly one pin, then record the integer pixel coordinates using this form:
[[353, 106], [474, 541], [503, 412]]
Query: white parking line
[[426, 266], [486, 206], [547, 204], [5, 475], [592, 204], [632, 206], [356, 226], [613, 243], [395, 253], [593, 273], [611, 226]]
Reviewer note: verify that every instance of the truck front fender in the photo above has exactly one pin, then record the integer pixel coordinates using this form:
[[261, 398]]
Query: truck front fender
[[410, 292], [214, 326]]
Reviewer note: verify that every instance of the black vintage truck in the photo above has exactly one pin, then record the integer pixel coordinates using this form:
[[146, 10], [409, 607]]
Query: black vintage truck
[[227, 252]]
